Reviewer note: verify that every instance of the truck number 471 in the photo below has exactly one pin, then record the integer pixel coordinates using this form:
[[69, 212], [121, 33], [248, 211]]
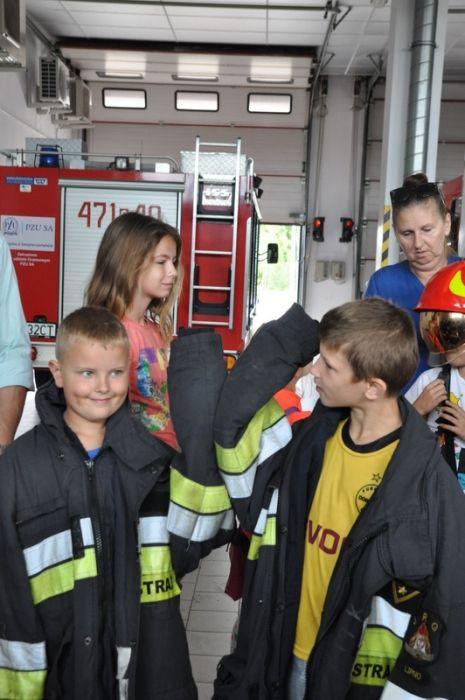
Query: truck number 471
[[94, 212]]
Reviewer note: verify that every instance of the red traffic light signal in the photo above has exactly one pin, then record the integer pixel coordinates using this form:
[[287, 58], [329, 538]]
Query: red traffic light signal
[[318, 228], [347, 229]]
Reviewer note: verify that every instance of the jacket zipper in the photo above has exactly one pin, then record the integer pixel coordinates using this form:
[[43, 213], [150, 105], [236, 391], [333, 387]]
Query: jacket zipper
[[95, 515]]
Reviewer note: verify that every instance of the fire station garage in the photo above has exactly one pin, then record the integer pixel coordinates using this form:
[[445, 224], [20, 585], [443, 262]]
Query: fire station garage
[[268, 132]]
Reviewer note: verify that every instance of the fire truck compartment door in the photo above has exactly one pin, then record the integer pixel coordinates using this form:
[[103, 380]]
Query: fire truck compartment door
[[87, 210]]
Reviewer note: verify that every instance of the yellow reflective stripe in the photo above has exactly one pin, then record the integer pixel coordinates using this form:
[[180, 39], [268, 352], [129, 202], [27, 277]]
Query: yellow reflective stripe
[[267, 539], [376, 656], [22, 684], [60, 579], [237, 459], [158, 580], [195, 497]]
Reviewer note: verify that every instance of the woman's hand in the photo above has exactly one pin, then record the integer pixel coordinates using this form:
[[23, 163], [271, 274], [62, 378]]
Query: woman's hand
[[431, 396], [455, 417]]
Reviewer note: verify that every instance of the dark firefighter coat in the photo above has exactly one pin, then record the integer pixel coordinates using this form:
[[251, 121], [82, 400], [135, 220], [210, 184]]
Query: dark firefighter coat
[[89, 594], [394, 617]]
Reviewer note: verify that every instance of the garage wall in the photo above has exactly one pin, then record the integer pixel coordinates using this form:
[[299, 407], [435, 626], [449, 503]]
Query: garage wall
[[450, 163], [277, 143]]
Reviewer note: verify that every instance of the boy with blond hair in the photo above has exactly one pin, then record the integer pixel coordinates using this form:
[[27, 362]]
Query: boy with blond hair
[[356, 568], [89, 599]]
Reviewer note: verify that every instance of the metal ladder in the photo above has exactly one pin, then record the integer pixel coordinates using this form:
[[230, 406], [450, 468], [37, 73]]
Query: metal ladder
[[194, 287]]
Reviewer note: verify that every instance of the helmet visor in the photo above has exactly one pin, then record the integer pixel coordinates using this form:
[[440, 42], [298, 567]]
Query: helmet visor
[[442, 331]]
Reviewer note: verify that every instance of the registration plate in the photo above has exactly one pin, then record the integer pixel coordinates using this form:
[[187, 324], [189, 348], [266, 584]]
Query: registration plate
[[42, 330]]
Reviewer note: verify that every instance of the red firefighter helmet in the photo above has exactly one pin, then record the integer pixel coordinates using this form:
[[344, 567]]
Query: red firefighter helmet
[[442, 310]]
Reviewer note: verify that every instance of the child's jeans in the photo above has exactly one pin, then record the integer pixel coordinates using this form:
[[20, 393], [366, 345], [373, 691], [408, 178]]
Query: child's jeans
[[297, 679]]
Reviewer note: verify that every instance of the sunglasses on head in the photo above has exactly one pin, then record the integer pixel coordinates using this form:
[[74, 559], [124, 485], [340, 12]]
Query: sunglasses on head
[[411, 193]]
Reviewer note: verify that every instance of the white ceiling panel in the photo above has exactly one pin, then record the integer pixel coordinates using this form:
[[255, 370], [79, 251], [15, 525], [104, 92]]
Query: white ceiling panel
[[195, 24], [126, 21]]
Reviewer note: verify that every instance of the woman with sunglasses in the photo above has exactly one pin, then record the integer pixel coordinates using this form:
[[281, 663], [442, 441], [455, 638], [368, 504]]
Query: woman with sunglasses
[[421, 223]]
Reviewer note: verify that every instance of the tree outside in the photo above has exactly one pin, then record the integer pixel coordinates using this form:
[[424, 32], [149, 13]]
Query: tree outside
[[277, 282]]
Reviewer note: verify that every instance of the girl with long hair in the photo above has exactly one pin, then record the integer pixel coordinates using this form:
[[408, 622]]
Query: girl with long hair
[[137, 276]]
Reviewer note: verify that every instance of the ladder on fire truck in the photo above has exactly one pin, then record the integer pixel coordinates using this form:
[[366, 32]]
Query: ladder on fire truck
[[215, 202]]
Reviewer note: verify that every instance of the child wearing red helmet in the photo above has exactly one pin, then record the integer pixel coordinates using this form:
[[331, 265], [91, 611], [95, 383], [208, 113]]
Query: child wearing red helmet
[[439, 393]]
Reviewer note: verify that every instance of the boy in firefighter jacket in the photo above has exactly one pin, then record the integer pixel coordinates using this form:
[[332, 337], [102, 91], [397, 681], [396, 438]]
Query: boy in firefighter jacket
[[355, 578], [89, 595]]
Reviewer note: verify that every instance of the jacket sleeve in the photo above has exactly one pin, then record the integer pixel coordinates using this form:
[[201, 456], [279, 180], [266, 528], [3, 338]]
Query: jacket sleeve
[[200, 516], [23, 659], [15, 351], [430, 664], [250, 426]]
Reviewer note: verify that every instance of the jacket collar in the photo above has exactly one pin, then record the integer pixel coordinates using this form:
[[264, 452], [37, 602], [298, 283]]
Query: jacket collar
[[124, 434]]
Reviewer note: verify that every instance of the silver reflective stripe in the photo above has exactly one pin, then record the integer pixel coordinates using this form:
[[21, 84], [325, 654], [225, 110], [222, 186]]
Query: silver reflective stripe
[[153, 530], [393, 692], [195, 527], [272, 440], [87, 532], [272, 509], [52, 550], [22, 656], [55, 549], [123, 659], [240, 485], [383, 614]]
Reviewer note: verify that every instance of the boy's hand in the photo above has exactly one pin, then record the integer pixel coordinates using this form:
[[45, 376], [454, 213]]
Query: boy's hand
[[455, 417], [431, 396]]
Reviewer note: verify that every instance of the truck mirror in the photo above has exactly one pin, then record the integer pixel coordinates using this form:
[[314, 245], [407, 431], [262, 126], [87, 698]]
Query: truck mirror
[[272, 253]]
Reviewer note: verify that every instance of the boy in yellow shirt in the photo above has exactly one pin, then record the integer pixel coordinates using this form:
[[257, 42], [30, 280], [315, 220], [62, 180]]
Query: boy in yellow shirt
[[356, 566]]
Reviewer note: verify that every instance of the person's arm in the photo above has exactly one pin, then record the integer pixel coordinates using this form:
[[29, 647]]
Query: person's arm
[[250, 426], [426, 394], [15, 351], [23, 669], [11, 408]]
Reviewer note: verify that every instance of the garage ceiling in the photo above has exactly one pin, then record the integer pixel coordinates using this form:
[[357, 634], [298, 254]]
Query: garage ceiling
[[235, 41]]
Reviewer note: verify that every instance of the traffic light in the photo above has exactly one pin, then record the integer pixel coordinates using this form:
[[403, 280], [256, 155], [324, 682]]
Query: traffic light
[[318, 228], [347, 229]]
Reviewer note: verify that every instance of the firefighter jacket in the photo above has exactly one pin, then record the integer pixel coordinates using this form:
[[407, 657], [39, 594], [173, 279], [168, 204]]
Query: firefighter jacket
[[89, 595], [394, 617]]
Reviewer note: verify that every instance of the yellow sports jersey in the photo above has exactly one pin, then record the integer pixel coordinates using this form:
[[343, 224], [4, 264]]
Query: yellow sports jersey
[[349, 478]]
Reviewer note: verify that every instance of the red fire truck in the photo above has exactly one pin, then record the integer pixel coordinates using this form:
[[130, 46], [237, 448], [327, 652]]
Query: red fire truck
[[53, 219]]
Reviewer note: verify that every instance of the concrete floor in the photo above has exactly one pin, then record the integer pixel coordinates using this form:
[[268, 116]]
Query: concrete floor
[[208, 613]]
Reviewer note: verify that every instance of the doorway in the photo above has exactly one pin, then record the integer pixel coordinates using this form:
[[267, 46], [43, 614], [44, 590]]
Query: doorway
[[277, 283]]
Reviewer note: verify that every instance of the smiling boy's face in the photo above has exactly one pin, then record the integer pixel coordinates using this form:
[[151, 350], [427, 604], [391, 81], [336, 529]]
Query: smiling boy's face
[[94, 378], [335, 381]]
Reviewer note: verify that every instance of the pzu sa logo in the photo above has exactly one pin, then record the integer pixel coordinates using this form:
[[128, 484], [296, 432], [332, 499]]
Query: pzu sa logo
[[10, 226]]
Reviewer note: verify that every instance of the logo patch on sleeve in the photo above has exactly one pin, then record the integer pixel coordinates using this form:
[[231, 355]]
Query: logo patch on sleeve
[[423, 636]]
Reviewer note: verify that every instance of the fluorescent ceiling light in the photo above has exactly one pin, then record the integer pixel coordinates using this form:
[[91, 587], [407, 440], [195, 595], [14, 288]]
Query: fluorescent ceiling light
[[270, 81], [119, 75], [195, 78]]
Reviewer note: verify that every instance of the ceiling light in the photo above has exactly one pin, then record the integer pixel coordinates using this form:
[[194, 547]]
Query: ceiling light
[[195, 78], [270, 81], [111, 75]]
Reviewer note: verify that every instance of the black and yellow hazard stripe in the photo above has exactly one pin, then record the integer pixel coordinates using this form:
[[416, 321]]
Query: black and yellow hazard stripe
[[386, 236]]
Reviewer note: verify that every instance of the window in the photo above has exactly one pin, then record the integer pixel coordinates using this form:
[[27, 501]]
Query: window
[[268, 103], [197, 101], [122, 98]]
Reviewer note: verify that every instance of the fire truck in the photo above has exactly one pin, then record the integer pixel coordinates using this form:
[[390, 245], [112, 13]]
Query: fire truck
[[54, 218]]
